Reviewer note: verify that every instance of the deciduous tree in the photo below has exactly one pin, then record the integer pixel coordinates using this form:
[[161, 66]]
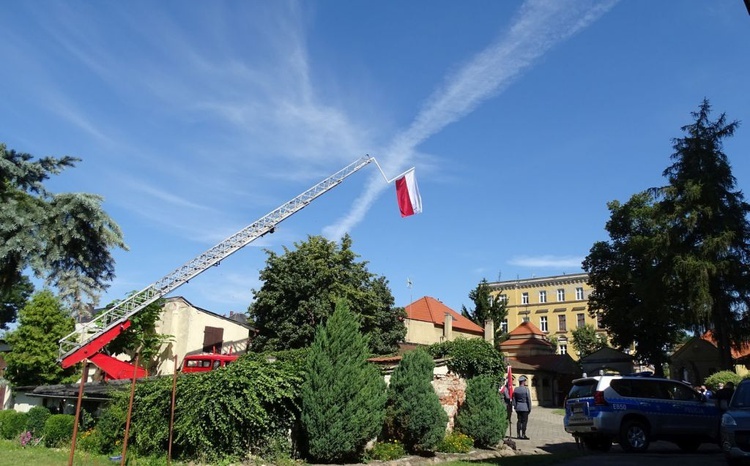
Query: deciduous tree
[[300, 290], [32, 359]]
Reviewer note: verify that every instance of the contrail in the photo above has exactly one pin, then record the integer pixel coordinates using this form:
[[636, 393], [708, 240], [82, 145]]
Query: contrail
[[537, 28]]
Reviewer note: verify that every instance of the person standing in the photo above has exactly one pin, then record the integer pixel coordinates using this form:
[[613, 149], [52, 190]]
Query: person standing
[[522, 406]]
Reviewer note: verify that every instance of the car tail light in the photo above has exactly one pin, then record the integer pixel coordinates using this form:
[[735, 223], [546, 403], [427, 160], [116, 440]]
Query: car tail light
[[599, 399]]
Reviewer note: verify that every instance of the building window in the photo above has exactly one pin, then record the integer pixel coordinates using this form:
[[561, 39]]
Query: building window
[[581, 320], [542, 296], [599, 322], [561, 295], [526, 318], [579, 293], [561, 324], [543, 324], [562, 348], [502, 298], [524, 298], [504, 326]]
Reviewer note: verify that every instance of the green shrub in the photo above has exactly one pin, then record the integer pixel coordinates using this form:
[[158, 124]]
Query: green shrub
[[387, 451], [343, 398], [37, 417], [414, 415], [247, 407], [714, 379], [12, 423], [58, 429], [106, 437], [483, 415], [470, 357], [456, 442]]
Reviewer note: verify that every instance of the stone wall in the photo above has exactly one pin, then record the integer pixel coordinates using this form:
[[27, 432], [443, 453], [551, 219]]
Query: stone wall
[[451, 389]]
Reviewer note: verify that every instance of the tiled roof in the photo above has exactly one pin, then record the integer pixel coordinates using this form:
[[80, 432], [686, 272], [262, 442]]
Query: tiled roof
[[742, 353], [427, 309], [526, 328]]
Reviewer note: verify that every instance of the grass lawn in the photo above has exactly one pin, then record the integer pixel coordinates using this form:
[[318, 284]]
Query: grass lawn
[[11, 454]]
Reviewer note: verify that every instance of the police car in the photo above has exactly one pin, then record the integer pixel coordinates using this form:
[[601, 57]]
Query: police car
[[636, 410]]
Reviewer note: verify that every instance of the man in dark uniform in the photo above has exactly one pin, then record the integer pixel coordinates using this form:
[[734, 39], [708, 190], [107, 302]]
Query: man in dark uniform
[[522, 406]]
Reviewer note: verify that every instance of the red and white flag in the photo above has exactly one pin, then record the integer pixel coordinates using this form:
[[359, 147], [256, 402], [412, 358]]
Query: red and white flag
[[407, 194], [509, 383]]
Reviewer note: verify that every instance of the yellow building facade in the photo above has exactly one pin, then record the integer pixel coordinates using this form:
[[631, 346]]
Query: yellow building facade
[[557, 305]]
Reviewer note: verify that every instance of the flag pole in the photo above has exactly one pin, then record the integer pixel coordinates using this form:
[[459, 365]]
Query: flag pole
[[383, 173]]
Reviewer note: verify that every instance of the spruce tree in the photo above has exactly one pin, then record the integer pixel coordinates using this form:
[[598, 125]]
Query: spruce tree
[[414, 414], [482, 416], [343, 398]]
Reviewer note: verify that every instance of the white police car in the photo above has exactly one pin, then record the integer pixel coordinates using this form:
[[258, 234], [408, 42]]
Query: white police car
[[636, 410]]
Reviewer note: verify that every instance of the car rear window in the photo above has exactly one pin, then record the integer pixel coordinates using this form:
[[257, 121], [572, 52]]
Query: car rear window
[[582, 389]]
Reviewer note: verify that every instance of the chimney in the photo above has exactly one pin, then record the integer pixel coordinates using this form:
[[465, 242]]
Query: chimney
[[448, 327], [489, 331]]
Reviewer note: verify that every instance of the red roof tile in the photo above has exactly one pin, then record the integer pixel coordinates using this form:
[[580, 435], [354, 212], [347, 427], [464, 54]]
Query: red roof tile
[[526, 328], [743, 351], [427, 309]]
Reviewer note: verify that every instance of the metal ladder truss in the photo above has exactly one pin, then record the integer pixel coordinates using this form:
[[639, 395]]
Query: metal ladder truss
[[122, 311]]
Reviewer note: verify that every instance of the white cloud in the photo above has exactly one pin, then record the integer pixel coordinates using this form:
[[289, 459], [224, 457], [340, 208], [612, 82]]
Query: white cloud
[[538, 27]]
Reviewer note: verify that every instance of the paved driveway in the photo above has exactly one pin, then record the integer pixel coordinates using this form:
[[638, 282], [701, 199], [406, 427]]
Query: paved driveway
[[547, 435]]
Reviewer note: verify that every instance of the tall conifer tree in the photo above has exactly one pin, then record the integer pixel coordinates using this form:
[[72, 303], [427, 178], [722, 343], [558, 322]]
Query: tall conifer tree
[[343, 398], [414, 414]]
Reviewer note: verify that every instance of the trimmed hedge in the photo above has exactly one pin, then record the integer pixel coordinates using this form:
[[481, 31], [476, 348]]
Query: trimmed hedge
[[58, 429], [38, 415], [12, 423]]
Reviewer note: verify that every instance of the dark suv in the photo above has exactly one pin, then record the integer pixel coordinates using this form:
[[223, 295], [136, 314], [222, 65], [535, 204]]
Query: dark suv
[[636, 410]]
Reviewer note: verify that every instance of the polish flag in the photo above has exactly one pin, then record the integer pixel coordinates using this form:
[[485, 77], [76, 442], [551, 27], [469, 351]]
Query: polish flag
[[407, 194], [509, 382]]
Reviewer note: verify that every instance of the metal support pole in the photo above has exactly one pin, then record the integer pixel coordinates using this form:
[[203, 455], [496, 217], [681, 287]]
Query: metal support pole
[[171, 414], [130, 412], [84, 376]]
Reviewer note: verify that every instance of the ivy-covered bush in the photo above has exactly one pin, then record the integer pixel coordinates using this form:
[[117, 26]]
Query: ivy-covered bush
[[58, 429], [246, 408], [106, 437], [482, 416], [456, 442], [343, 397], [37, 417], [470, 357], [414, 415], [12, 423]]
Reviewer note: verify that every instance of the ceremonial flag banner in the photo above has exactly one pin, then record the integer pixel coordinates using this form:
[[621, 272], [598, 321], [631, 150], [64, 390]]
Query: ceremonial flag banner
[[407, 194], [509, 383]]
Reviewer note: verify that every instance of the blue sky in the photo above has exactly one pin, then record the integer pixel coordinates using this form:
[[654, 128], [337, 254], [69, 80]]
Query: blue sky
[[522, 118]]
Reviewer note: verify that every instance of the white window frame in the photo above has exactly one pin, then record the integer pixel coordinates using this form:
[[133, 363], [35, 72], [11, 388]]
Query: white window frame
[[524, 298], [504, 326], [562, 348], [543, 296], [560, 295], [579, 294], [543, 324], [580, 320]]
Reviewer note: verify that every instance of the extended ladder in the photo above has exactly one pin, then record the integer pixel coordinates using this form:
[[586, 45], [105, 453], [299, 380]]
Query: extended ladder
[[91, 338]]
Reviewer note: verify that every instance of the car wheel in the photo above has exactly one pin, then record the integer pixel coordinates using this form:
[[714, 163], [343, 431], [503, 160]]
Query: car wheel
[[688, 446], [634, 436]]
